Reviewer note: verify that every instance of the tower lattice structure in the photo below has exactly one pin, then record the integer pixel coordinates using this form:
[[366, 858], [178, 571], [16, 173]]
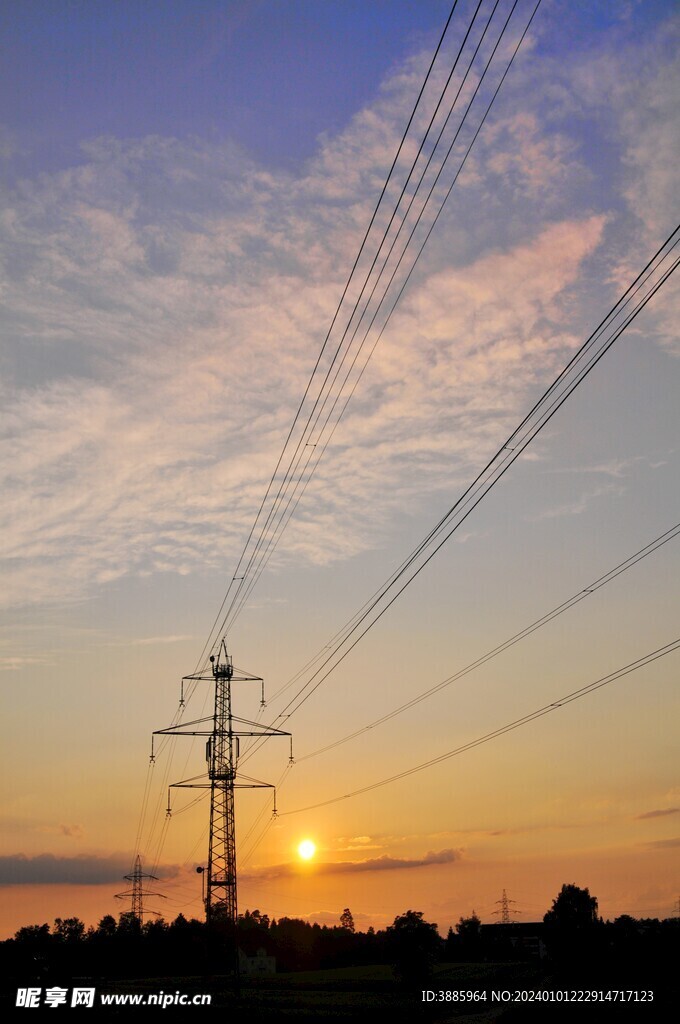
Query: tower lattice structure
[[223, 731], [137, 893], [505, 910]]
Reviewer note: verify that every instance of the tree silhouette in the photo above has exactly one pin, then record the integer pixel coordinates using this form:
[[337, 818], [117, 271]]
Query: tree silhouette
[[413, 944], [70, 929], [107, 926], [128, 924], [346, 920], [469, 931], [36, 936], [572, 927], [573, 909]]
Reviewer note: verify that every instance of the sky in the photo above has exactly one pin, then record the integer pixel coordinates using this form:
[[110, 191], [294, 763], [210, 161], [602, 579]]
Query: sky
[[185, 189]]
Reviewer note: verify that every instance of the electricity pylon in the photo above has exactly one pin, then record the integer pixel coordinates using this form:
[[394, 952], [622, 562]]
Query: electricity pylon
[[505, 910], [138, 892], [221, 778]]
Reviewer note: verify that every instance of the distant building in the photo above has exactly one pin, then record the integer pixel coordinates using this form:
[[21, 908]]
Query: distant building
[[519, 939], [257, 966]]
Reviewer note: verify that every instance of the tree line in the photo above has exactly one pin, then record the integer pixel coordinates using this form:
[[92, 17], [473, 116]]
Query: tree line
[[571, 935]]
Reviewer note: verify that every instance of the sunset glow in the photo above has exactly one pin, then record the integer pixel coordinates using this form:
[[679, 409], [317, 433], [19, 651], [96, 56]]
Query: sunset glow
[[186, 189], [306, 849]]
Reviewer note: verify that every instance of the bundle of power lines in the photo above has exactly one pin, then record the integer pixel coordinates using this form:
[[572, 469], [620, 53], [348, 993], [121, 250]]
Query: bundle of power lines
[[454, 101], [463, 79], [465, 75]]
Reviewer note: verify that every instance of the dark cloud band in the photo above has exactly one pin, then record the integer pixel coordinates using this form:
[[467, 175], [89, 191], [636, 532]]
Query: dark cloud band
[[46, 869]]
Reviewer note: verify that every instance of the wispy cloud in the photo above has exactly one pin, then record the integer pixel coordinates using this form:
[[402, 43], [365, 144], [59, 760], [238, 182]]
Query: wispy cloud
[[384, 863], [165, 301], [70, 831], [658, 814], [16, 663], [151, 641], [577, 506], [345, 844], [616, 468], [664, 844]]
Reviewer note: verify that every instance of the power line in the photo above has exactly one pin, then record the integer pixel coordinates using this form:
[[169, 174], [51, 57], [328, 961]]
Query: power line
[[576, 598], [499, 464], [357, 617], [306, 449], [580, 595], [315, 451], [309, 426], [436, 537], [333, 321], [534, 421], [568, 698]]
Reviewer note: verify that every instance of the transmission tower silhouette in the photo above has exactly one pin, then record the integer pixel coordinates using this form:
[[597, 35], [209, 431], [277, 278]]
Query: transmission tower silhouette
[[137, 893], [222, 779], [505, 910]]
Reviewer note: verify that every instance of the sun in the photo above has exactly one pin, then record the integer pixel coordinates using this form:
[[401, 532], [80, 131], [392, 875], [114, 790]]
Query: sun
[[306, 849]]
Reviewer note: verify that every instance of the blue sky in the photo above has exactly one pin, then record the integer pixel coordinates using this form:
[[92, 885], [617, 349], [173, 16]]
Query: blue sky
[[271, 76], [186, 188]]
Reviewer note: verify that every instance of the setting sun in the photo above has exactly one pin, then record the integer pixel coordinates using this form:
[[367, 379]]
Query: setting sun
[[306, 849]]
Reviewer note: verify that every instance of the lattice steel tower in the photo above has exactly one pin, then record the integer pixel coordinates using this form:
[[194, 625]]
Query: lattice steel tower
[[137, 893], [222, 778], [505, 910]]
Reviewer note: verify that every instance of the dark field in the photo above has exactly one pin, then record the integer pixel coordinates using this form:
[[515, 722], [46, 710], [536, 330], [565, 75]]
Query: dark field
[[372, 994]]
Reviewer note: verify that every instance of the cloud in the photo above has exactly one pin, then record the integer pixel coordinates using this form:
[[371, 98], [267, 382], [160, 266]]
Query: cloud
[[530, 160], [47, 869], [18, 662], [658, 814], [344, 844], [120, 465], [70, 831], [650, 127], [384, 863], [576, 507], [664, 844], [616, 468], [166, 299], [153, 640]]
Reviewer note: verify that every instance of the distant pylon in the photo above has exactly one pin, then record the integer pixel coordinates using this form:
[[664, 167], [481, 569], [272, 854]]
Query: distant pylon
[[505, 910], [222, 753], [137, 892]]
